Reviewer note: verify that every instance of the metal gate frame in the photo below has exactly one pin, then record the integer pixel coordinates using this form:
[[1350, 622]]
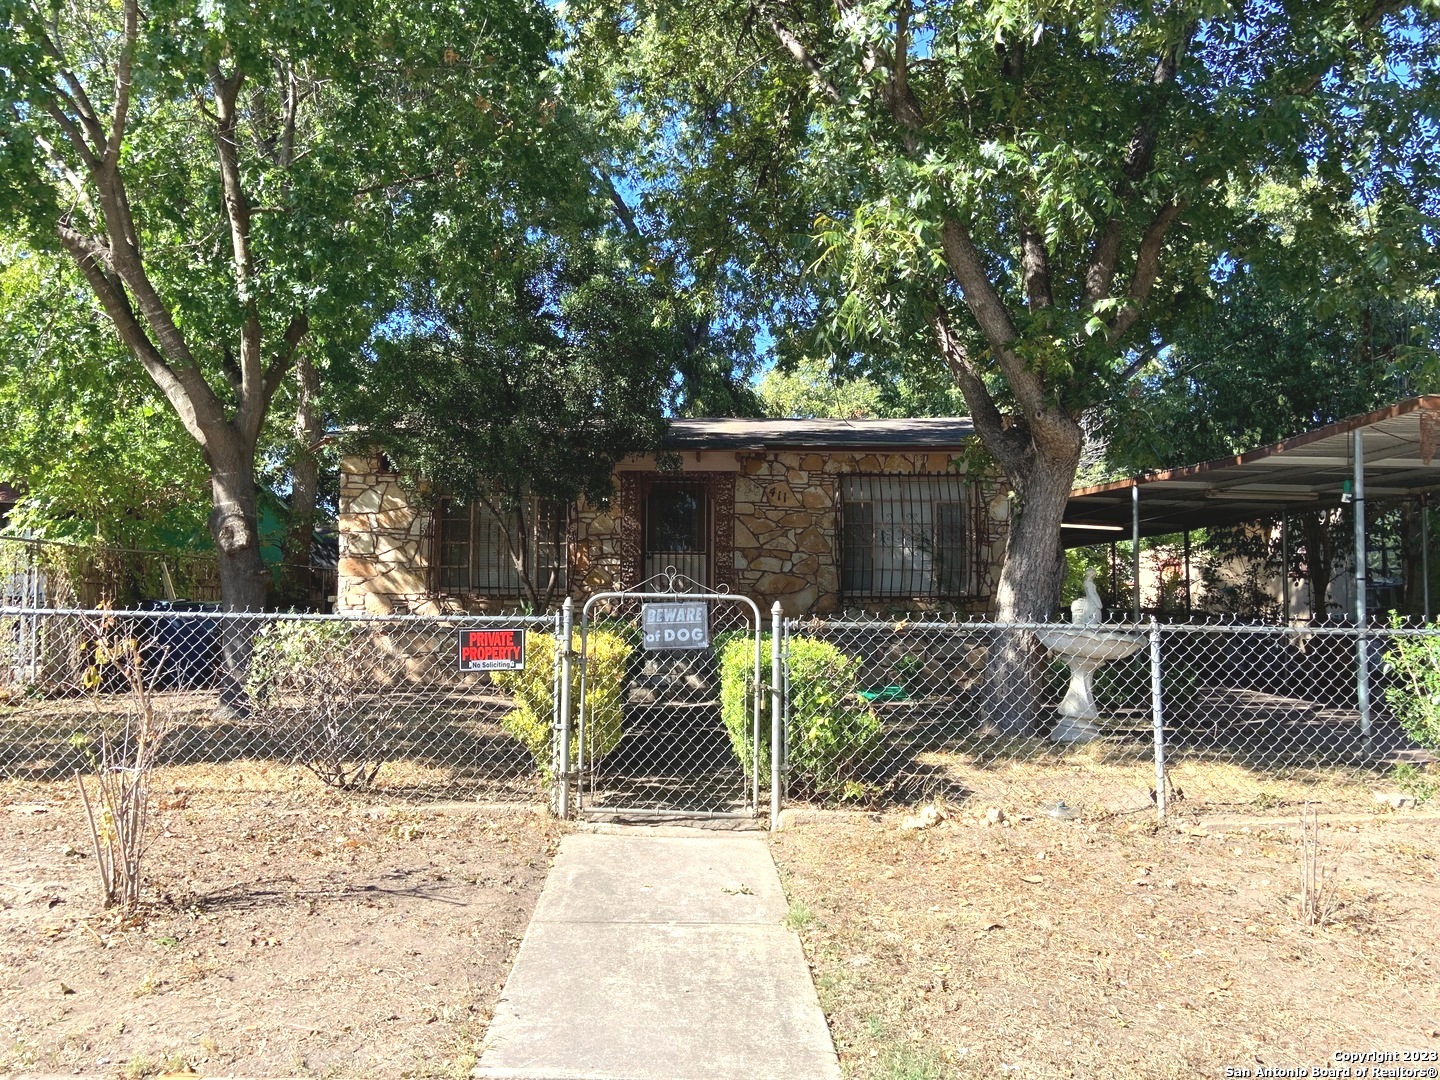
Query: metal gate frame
[[570, 773]]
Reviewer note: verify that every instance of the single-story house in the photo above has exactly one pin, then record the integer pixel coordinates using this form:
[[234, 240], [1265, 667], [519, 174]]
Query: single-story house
[[821, 515]]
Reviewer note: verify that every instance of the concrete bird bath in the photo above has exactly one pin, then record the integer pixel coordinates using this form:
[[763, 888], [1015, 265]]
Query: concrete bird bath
[[1086, 648]]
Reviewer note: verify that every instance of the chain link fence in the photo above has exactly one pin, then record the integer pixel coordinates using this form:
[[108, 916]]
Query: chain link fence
[[1110, 720], [374, 705], [37, 573], [1034, 719], [671, 695]]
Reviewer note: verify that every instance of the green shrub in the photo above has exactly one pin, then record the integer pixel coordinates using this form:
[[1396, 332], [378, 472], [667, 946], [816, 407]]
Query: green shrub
[[1415, 696], [1415, 782], [301, 681], [832, 728], [534, 689]]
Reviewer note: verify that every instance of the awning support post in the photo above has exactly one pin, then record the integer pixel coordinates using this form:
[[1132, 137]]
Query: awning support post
[[1362, 665], [1425, 552], [1135, 540], [1114, 577], [1285, 563], [1189, 607]]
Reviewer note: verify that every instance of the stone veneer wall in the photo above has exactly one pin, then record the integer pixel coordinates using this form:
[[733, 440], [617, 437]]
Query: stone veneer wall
[[384, 543], [783, 543], [787, 527]]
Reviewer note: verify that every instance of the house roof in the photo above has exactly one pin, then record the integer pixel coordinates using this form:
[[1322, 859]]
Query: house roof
[[1307, 472], [726, 433]]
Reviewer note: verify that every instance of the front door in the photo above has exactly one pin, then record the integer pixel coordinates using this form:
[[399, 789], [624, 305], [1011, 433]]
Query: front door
[[676, 529]]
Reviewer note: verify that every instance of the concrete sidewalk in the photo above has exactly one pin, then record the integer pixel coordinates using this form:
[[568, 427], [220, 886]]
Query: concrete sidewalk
[[660, 955]]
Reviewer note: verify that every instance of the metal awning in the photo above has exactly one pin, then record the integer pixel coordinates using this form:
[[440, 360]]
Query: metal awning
[[1312, 471]]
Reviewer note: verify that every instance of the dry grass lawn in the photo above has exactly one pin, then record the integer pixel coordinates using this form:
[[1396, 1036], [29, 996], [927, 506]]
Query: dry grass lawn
[[286, 933], [1046, 948]]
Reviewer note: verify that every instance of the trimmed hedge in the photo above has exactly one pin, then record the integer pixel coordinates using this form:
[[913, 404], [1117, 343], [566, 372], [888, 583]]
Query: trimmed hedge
[[534, 689], [832, 728]]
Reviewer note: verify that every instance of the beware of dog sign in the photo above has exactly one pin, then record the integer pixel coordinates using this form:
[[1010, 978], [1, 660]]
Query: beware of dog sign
[[676, 626], [492, 650]]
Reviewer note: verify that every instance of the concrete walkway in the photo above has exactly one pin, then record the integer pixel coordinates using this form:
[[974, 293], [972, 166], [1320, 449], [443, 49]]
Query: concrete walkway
[[660, 955]]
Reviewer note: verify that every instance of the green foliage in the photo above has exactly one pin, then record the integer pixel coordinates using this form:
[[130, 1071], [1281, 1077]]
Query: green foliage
[[241, 183], [910, 670], [1414, 664], [812, 387], [799, 917], [535, 378], [831, 727], [1274, 348], [97, 454], [1015, 195], [828, 182], [301, 681], [1420, 784], [531, 720]]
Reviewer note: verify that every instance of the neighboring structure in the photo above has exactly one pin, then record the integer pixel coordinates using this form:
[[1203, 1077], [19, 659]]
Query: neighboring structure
[[1364, 485], [818, 514]]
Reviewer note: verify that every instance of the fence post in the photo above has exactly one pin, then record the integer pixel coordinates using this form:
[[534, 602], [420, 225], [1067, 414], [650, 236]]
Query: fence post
[[567, 633], [1158, 713], [777, 689]]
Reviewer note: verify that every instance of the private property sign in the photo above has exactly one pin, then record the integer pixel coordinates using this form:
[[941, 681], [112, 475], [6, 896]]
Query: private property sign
[[492, 650], [676, 626]]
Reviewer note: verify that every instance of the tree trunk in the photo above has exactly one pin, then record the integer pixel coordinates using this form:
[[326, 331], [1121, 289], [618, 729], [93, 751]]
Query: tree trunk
[[296, 577], [244, 579], [1030, 580]]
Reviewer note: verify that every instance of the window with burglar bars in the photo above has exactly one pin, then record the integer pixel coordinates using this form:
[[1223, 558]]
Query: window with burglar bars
[[903, 537], [474, 555]]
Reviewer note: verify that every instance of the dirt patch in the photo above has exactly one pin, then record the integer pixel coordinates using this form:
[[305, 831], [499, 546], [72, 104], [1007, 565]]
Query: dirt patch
[[286, 934], [1052, 948]]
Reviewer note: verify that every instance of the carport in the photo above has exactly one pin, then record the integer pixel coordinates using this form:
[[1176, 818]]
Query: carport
[[1388, 453]]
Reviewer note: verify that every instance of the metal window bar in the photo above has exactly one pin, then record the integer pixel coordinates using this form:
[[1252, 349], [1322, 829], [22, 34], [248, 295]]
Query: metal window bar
[[475, 558], [904, 537]]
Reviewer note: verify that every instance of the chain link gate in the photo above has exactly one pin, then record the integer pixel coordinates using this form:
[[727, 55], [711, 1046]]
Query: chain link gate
[[666, 716]]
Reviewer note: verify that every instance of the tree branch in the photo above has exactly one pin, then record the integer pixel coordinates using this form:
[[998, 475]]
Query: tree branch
[[284, 358], [1036, 269], [622, 209], [56, 112], [990, 314], [1008, 444], [93, 260], [78, 99], [1363, 25], [383, 185], [1148, 353], [1139, 159], [1147, 267], [123, 72], [797, 49], [237, 212], [292, 109]]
